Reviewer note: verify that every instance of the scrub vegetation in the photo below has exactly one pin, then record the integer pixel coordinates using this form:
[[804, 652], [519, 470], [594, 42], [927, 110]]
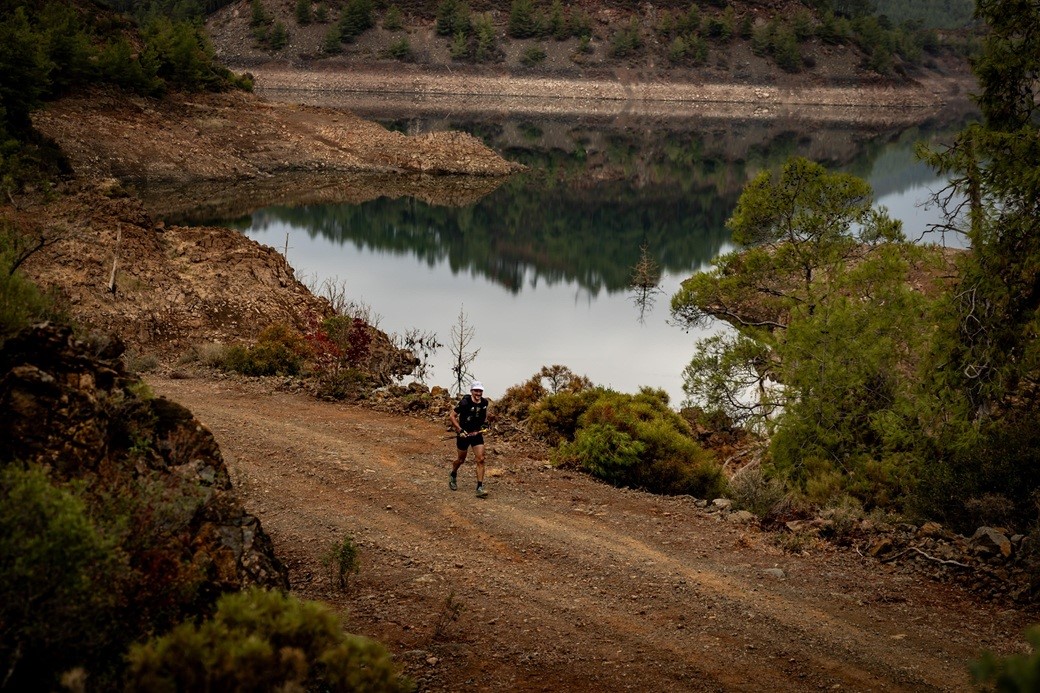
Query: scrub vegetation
[[903, 378]]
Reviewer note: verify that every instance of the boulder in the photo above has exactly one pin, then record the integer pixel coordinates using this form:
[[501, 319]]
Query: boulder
[[989, 541], [742, 517]]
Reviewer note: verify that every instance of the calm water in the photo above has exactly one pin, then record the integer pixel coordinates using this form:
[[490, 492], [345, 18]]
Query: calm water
[[541, 266]]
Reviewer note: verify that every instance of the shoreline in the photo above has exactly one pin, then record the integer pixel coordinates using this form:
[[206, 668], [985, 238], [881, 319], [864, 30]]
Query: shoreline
[[438, 92]]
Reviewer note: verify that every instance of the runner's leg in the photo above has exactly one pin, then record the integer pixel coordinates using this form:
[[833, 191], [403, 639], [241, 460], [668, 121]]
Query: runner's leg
[[478, 451]]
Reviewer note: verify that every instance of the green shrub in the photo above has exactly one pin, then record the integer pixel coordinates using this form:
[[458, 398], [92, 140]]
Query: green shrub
[[603, 451], [341, 560], [677, 50], [21, 304], [519, 400], [555, 419], [118, 63], [333, 42], [393, 21], [534, 55], [356, 19], [1013, 673], [304, 15], [523, 22], [263, 640], [721, 28], [278, 38], [485, 47], [400, 49], [59, 582], [279, 350], [630, 440], [453, 17], [627, 41]]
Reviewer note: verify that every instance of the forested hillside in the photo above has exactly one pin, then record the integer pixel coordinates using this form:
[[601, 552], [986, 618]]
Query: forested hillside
[[673, 40]]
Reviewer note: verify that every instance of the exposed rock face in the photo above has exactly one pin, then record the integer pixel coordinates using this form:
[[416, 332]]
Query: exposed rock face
[[75, 410]]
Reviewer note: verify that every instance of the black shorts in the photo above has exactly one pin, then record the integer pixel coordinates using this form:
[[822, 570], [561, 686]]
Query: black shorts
[[464, 442]]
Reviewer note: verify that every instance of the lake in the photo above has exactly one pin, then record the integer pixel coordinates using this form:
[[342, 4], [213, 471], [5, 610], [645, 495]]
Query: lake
[[540, 267]]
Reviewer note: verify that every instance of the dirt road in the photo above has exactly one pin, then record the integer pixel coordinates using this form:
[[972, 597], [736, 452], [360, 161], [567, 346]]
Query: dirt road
[[561, 583]]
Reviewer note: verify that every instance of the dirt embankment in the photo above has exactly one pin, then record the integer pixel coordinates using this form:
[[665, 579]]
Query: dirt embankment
[[233, 136]]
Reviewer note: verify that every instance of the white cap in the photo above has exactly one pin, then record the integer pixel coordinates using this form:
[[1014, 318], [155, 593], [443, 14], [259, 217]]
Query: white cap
[[477, 385]]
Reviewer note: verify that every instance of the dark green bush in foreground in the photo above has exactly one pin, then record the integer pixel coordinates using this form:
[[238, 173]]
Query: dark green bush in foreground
[[59, 578], [262, 640], [1013, 674]]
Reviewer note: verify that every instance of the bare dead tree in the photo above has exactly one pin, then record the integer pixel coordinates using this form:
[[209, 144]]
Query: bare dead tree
[[18, 243], [461, 338]]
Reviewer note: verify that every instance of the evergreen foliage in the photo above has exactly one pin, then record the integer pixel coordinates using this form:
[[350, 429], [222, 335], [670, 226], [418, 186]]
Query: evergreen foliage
[[21, 301], [1017, 673], [60, 578], [342, 561], [627, 440], [627, 41], [263, 640], [523, 22], [453, 17], [985, 379], [49, 48], [533, 55], [930, 14], [824, 319], [279, 350], [357, 18], [393, 19], [304, 13], [400, 49]]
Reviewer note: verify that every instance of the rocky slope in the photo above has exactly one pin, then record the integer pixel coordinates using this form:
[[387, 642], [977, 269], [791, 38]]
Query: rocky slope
[[72, 407]]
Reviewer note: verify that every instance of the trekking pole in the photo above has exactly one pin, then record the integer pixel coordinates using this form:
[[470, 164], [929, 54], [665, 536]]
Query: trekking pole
[[473, 433]]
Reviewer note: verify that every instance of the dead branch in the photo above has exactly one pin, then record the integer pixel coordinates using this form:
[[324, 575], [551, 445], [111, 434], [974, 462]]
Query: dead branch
[[889, 559]]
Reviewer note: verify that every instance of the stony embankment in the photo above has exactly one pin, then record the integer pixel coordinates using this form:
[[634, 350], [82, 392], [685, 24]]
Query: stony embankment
[[881, 104]]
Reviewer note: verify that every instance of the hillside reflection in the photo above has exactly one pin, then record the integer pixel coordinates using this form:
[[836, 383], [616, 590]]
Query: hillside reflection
[[596, 192]]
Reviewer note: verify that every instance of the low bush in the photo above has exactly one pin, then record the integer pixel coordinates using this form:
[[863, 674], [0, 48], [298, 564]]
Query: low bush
[[279, 350], [554, 419], [21, 301], [753, 490], [59, 582], [400, 50], [532, 56], [1017, 672], [263, 640], [341, 560], [519, 400], [630, 440]]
